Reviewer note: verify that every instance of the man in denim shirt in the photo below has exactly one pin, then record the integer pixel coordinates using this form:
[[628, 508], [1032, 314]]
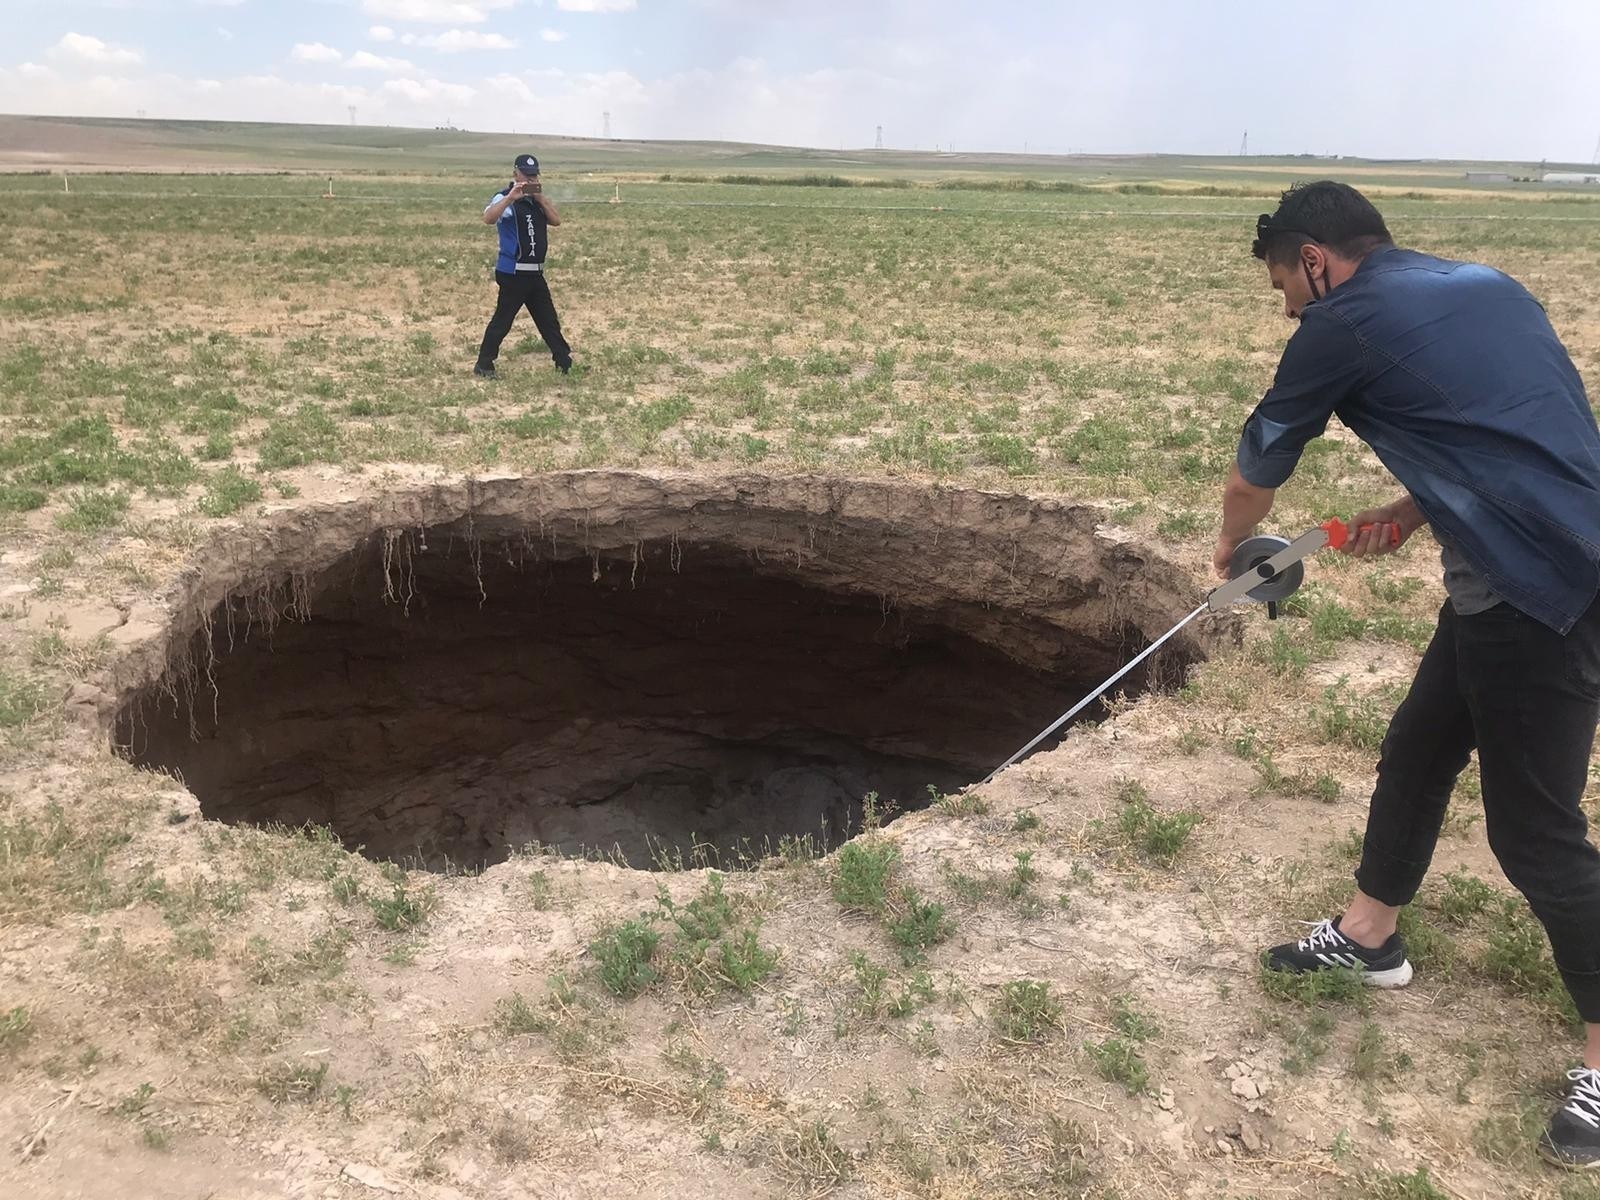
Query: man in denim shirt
[[1453, 375]]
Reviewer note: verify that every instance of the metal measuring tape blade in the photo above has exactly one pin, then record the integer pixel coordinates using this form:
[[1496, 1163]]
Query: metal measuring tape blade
[[1263, 568]]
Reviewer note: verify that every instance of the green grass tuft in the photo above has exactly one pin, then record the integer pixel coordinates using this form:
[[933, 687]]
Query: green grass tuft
[[624, 952], [1026, 1011], [861, 875]]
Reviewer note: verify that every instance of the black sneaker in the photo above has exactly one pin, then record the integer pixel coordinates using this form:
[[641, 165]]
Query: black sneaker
[[564, 368], [484, 371], [1327, 948], [1572, 1139]]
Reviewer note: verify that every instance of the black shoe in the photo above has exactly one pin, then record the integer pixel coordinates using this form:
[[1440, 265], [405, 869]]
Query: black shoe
[[564, 368], [1327, 949], [484, 371], [1572, 1139]]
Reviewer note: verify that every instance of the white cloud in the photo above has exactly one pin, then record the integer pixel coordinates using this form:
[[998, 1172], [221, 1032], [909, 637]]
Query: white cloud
[[225, 34], [314, 52], [552, 35], [457, 40], [219, 3], [362, 60], [512, 86], [429, 91], [597, 6], [242, 98], [1068, 80], [434, 12], [92, 49], [381, 33]]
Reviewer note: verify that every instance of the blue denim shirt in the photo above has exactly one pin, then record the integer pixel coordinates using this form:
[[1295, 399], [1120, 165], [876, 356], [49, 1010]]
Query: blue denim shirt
[[1452, 373]]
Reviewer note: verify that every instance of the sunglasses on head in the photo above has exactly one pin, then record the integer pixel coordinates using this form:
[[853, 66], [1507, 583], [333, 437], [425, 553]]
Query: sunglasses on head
[[1266, 226]]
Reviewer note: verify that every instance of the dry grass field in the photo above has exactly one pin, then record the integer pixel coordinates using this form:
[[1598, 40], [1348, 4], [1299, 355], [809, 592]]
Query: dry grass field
[[843, 447]]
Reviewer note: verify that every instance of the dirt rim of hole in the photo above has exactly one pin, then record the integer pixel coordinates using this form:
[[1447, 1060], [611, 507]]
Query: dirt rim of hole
[[659, 666]]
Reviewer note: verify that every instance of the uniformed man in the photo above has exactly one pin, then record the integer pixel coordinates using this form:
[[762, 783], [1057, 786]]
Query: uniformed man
[[523, 215]]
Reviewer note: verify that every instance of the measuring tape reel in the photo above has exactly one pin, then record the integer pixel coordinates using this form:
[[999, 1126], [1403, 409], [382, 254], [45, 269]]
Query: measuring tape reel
[[1250, 558]]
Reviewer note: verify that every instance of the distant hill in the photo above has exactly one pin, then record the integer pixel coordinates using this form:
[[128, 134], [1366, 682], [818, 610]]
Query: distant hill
[[85, 144]]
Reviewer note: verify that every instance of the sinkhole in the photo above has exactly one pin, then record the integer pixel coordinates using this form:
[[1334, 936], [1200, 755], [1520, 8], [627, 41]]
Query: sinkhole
[[654, 667]]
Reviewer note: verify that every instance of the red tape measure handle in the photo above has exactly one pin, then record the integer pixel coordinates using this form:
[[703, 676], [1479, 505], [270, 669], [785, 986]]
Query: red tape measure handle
[[1339, 533]]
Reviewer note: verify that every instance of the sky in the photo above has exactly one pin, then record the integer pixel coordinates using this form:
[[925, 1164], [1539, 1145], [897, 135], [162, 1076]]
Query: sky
[[1457, 79]]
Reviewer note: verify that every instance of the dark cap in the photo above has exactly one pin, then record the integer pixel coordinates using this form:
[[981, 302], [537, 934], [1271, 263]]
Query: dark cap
[[527, 164]]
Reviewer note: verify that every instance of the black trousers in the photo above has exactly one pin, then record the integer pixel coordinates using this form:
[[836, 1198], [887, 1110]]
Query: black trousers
[[1527, 698], [524, 289]]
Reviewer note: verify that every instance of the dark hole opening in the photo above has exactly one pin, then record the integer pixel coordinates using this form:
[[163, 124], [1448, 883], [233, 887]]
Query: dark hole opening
[[666, 704]]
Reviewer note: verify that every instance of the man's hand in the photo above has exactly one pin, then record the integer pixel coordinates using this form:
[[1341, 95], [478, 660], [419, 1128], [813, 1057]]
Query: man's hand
[[1222, 558], [1388, 528], [1244, 506]]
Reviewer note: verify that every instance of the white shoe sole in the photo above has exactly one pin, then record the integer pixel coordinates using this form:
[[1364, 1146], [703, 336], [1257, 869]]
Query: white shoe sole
[[1394, 977], [1556, 1159]]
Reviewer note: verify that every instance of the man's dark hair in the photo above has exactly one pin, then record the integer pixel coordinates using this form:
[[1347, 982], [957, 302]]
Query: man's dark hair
[[1331, 214]]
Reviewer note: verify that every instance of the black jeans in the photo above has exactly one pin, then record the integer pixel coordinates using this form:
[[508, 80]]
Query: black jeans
[[1528, 699], [524, 289]]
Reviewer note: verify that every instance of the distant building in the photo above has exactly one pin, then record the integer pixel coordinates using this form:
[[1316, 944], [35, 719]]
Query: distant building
[[1569, 177], [1488, 177]]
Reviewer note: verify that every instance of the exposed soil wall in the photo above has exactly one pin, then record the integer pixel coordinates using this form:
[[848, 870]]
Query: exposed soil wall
[[632, 663]]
